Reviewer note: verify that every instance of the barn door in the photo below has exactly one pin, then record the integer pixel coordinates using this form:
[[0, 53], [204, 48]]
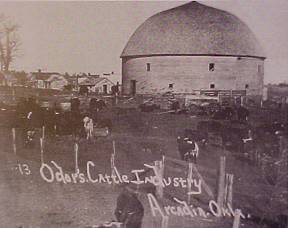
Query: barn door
[[133, 87]]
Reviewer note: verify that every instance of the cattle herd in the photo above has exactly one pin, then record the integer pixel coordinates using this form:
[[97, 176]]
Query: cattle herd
[[232, 129], [28, 115]]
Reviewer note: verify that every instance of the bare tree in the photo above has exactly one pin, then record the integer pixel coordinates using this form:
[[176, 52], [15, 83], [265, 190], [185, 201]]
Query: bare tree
[[9, 42]]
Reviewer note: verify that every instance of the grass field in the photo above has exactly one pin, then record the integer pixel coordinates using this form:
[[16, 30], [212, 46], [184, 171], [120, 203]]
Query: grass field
[[27, 200]]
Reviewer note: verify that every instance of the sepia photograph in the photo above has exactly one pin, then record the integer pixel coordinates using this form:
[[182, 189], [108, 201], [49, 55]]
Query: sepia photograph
[[144, 114]]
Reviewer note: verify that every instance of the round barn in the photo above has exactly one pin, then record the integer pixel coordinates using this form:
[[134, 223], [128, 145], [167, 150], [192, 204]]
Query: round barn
[[191, 48]]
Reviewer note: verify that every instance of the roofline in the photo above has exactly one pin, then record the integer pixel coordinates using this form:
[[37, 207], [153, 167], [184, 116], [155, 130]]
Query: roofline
[[218, 55], [108, 80], [101, 79]]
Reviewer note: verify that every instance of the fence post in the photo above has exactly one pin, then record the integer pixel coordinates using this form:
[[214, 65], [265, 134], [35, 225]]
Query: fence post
[[41, 150], [221, 182], [43, 132], [113, 161], [14, 140], [76, 150], [13, 94], [228, 189], [55, 129], [282, 147], [189, 179], [164, 222], [283, 154], [236, 222], [159, 172]]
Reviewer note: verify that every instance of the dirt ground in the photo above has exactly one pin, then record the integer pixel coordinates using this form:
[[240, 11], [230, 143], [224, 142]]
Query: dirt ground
[[28, 201]]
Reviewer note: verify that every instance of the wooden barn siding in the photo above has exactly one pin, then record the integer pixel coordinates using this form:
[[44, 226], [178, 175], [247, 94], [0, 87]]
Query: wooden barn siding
[[191, 72]]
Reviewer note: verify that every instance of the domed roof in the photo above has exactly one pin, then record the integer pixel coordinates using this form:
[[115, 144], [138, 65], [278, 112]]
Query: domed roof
[[193, 29]]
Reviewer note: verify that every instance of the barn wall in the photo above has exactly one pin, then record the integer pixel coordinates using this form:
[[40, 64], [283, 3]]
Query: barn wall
[[188, 73]]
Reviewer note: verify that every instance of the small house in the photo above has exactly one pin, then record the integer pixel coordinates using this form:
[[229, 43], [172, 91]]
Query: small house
[[96, 85], [48, 80]]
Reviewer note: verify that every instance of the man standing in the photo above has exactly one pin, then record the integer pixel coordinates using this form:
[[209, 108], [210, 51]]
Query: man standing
[[129, 210]]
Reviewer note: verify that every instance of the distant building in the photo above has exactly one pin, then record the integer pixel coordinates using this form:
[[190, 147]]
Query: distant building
[[96, 85], [190, 48], [277, 93], [48, 80]]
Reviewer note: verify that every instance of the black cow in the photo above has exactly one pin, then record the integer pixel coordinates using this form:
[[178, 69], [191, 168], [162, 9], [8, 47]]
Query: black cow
[[148, 107], [224, 113], [175, 106], [242, 113], [28, 117], [188, 147], [93, 109], [28, 108], [70, 123], [75, 104], [101, 104], [129, 210], [49, 122], [237, 138], [197, 136], [95, 106]]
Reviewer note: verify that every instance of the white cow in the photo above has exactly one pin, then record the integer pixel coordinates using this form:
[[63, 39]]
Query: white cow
[[88, 126]]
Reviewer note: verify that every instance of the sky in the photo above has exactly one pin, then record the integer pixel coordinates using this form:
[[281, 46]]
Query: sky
[[89, 36]]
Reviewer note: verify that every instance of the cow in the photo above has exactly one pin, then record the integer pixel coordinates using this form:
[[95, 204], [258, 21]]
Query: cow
[[95, 106], [242, 113], [129, 210], [93, 109], [28, 117], [101, 104], [75, 104], [223, 113], [28, 131], [188, 148], [88, 126], [238, 137], [23, 108], [49, 121], [198, 136], [69, 123]]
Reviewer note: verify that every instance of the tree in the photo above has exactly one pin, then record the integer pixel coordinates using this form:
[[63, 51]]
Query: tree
[[9, 42]]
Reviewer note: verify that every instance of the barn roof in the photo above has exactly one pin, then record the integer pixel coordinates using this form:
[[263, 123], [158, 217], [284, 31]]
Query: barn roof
[[193, 29]]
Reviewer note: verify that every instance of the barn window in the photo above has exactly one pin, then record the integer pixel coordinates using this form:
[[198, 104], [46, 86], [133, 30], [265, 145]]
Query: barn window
[[148, 66], [246, 86], [170, 86], [211, 66], [212, 86]]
